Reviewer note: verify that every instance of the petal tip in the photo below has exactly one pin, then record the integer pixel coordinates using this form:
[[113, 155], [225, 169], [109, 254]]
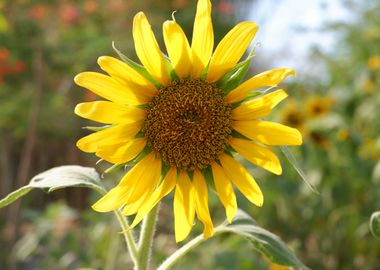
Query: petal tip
[[78, 79], [102, 59]]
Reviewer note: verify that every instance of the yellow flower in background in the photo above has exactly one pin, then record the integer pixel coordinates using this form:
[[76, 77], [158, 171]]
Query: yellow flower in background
[[318, 105], [374, 62], [369, 85], [179, 126], [293, 116]]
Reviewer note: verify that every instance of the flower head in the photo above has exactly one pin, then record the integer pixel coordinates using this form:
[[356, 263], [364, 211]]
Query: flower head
[[179, 121]]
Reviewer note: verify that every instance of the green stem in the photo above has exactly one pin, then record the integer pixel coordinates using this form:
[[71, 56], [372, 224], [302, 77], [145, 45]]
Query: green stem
[[131, 245], [146, 239], [168, 263]]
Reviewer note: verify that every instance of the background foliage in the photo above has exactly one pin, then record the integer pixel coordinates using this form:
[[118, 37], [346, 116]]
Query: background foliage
[[43, 44]]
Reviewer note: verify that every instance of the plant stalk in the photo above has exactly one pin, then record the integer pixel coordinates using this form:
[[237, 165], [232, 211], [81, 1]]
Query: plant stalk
[[172, 259], [146, 239], [131, 245]]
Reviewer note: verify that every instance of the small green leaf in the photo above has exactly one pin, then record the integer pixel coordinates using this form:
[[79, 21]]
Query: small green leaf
[[172, 74], [139, 68], [57, 178], [374, 224], [14, 195], [96, 128], [233, 78], [285, 150], [264, 241]]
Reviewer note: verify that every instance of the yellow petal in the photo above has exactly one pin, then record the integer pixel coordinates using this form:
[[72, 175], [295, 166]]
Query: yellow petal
[[147, 49], [124, 73], [109, 136], [201, 203], [166, 186], [109, 88], [225, 191], [148, 181], [132, 208], [268, 78], [203, 38], [231, 49], [242, 179], [109, 112], [268, 132], [119, 195], [178, 48], [259, 107], [122, 153], [111, 201], [257, 154], [184, 209]]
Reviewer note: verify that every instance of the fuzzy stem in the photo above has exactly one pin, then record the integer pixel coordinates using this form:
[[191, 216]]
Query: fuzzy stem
[[172, 259], [131, 245], [146, 239]]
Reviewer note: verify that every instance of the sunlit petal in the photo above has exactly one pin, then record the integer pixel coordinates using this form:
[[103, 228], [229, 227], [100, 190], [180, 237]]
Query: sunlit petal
[[225, 191], [178, 48], [201, 203], [123, 153], [268, 78], [109, 88], [257, 154], [231, 49], [258, 107], [242, 179], [269, 133], [184, 209], [109, 112], [203, 38], [166, 186], [147, 49], [112, 135], [124, 73]]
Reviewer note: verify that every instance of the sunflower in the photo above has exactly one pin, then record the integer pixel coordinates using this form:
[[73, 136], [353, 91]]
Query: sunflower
[[317, 106], [173, 119]]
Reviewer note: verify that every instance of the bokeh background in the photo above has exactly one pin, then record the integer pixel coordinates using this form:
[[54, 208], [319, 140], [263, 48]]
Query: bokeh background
[[334, 47]]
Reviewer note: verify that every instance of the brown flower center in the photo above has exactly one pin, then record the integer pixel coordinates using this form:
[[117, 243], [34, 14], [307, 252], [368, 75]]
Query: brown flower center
[[188, 124]]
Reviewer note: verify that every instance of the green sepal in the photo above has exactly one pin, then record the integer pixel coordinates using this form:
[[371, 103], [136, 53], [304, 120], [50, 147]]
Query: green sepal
[[236, 134], [203, 75], [164, 170], [139, 68], [113, 168], [207, 173], [96, 128], [172, 74], [233, 78], [254, 94], [147, 150]]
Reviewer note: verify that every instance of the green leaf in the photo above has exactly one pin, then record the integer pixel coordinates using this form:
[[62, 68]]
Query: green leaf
[[264, 241], [285, 150], [139, 68], [11, 197], [67, 176], [374, 224], [57, 178]]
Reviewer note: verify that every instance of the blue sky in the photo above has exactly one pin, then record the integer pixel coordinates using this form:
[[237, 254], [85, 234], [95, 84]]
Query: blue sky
[[289, 28]]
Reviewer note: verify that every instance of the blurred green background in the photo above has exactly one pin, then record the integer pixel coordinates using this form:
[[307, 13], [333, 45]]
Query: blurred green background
[[334, 101]]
